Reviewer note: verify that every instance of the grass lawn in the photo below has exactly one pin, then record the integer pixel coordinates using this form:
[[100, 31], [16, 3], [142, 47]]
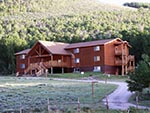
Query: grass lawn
[[95, 75], [34, 92]]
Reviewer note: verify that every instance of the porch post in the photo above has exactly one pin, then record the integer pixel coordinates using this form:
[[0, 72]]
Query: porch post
[[51, 70], [62, 70], [62, 64], [122, 71], [51, 64]]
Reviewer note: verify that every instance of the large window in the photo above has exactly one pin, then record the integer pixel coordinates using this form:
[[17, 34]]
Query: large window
[[76, 50], [77, 60], [22, 66], [22, 56], [96, 58], [97, 48], [97, 68]]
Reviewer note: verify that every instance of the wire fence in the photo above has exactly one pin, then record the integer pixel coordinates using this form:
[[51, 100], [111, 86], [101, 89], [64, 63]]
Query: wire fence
[[66, 107]]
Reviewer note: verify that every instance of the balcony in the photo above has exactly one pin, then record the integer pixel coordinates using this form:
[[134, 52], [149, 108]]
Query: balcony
[[118, 52], [55, 64], [118, 62], [131, 68], [130, 58]]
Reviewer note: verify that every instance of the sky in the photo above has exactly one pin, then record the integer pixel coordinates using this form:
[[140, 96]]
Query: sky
[[120, 2]]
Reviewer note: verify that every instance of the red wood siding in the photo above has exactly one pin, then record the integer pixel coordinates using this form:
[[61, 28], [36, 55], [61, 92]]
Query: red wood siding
[[113, 57], [20, 61], [86, 56], [109, 54]]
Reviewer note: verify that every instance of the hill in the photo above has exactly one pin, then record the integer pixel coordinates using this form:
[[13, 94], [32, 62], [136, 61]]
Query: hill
[[35, 9], [22, 23]]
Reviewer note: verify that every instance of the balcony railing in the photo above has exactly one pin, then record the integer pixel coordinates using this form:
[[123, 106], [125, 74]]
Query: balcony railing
[[130, 58], [55, 64], [131, 68], [118, 52], [118, 62]]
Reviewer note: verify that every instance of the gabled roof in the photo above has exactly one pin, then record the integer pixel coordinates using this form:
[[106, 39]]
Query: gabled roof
[[26, 51], [86, 44], [59, 48], [55, 47]]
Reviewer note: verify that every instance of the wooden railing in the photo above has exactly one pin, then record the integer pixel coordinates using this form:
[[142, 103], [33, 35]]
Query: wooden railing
[[131, 68], [36, 66], [119, 62], [118, 52], [55, 64], [130, 58]]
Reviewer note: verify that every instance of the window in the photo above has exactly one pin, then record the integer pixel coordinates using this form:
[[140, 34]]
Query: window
[[97, 68], [22, 56], [22, 66], [97, 48], [59, 60], [96, 58], [76, 50], [76, 70], [77, 60]]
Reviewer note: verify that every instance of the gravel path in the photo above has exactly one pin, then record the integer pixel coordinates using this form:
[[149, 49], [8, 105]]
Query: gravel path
[[117, 99]]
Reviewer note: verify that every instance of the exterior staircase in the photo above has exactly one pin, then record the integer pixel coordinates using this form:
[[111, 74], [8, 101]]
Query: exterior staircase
[[36, 69]]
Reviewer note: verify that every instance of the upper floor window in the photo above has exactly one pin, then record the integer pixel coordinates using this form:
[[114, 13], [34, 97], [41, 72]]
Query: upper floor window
[[76, 50], [97, 48], [77, 60], [22, 66], [96, 58], [22, 56]]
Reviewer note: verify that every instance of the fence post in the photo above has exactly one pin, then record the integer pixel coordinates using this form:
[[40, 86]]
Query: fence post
[[107, 106], [106, 80], [128, 111], [21, 110], [31, 110], [92, 89], [78, 109], [49, 107], [89, 111], [93, 82], [137, 101]]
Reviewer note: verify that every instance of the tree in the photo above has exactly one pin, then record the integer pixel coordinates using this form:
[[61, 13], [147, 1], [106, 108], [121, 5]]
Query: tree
[[141, 78]]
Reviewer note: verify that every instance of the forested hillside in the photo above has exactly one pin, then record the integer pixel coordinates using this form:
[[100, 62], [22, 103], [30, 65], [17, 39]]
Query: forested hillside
[[137, 5], [23, 22]]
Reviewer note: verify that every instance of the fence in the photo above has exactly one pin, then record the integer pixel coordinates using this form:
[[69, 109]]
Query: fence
[[70, 107]]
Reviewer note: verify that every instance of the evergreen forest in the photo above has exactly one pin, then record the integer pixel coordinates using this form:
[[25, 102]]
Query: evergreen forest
[[23, 22]]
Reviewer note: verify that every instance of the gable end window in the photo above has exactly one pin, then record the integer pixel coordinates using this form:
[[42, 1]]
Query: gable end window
[[77, 60], [76, 50], [97, 48], [22, 56], [22, 66], [96, 58]]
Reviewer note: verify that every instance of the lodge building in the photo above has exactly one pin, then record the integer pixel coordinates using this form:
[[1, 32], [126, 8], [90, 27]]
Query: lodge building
[[110, 56]]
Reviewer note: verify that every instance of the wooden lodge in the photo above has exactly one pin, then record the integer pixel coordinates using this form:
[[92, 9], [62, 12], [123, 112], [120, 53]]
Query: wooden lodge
[[110, 56]]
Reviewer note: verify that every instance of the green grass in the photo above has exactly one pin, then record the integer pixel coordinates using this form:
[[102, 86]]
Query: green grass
[[34, 92], [94, 75]]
